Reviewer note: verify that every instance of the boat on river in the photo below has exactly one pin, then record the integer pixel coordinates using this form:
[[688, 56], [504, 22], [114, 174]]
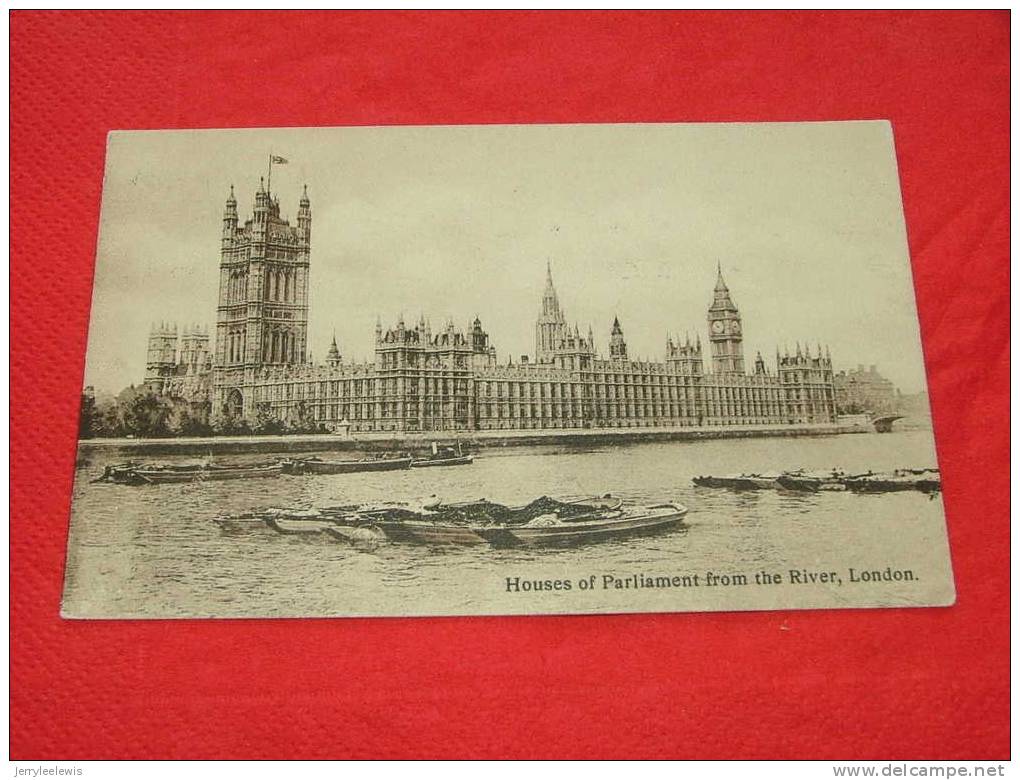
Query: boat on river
[[599, 525], [542, 522], [443, 456], [742, 481], [161, 473], [924, 480], [316, 465], [814, 482]]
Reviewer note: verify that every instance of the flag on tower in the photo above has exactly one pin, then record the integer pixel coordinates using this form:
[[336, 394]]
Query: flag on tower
[[277, 160]]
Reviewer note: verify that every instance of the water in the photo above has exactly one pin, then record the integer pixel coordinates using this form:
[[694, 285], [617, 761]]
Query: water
[[156, 551]]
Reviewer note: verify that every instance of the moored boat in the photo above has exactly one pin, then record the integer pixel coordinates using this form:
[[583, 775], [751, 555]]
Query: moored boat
[[317, 465], [141, 474], [542, 522], [740, 482], [599, 526], [646, 520], [834, 480], [926, 481]]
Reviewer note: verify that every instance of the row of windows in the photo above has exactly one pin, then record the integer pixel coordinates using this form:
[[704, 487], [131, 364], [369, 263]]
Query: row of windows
[[280, 345], [744, 413], [391, 360]]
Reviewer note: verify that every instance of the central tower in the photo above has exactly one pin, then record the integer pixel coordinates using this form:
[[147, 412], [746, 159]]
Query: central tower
[[262, 312], [724, 331], [551, 327]]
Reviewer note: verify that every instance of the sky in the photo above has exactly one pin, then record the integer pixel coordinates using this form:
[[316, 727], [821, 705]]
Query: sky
[[457, 222]]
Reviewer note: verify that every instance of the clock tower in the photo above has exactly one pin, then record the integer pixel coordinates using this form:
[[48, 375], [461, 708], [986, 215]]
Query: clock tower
[[725, 332]]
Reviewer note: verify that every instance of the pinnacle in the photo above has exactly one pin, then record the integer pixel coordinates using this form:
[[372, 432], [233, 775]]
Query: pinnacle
[[720, 284]]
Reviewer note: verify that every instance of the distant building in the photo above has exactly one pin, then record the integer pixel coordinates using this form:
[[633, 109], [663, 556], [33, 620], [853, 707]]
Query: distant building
[[864, 390], [423, 380], [179, 367]]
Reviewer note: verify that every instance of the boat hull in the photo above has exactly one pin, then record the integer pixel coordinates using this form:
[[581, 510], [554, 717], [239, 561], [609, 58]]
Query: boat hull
[[619, 525], [744, 482], [143, 476], [893, 485], [811, 484], [461, 460], [346, 467]]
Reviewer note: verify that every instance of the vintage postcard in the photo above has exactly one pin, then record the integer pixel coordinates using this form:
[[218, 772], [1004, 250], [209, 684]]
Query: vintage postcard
[[504, 370]]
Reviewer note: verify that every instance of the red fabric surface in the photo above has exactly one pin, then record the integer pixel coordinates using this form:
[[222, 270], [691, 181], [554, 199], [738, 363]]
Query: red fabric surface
[[825, 684]]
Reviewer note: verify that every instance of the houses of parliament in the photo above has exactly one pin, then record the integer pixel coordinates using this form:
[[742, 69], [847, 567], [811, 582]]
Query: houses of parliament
[[447, 379]]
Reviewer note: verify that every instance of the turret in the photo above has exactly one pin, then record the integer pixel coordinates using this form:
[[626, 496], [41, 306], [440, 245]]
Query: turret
[[230, 217], [479, 338], [685, 358], [304, 216], [261, 210], [333, 356]]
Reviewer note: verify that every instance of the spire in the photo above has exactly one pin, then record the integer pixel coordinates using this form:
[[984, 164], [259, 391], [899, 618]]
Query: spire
[[304, 196], [550, 301], [721, 300], [333, 356], [230, 197]]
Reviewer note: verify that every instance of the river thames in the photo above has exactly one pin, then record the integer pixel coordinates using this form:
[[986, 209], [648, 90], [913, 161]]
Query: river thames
[[157, 551]]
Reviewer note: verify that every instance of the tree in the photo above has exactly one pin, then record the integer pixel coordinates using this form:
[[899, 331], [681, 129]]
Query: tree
[[89, 419], [266, 420], [230, 424]]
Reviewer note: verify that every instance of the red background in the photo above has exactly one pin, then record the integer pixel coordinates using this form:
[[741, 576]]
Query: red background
[[860, 683]]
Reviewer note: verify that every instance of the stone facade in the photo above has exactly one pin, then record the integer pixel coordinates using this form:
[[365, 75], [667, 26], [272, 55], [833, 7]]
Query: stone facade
[[423, 380]]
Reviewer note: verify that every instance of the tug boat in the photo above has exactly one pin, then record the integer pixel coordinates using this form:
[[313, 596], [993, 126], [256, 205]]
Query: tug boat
[[443, 456], [317, 465], [156, 474]]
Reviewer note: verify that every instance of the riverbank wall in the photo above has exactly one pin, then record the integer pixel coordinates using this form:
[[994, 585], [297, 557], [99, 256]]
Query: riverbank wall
[[471, 440]]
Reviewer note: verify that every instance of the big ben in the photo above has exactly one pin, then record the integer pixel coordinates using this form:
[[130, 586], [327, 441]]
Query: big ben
[[724, 331]]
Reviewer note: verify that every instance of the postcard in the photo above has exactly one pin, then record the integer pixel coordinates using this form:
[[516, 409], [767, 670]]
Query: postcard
[[513, 370]]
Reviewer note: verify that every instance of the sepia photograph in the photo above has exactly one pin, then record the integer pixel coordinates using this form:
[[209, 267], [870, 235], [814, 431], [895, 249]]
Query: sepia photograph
[[505, 369]]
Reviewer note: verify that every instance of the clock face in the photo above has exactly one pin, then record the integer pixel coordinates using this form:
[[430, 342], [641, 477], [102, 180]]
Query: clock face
[[734, 327], [717, 326]]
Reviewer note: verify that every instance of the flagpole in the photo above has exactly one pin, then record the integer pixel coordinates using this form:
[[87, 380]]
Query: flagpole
[[269, 181]]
